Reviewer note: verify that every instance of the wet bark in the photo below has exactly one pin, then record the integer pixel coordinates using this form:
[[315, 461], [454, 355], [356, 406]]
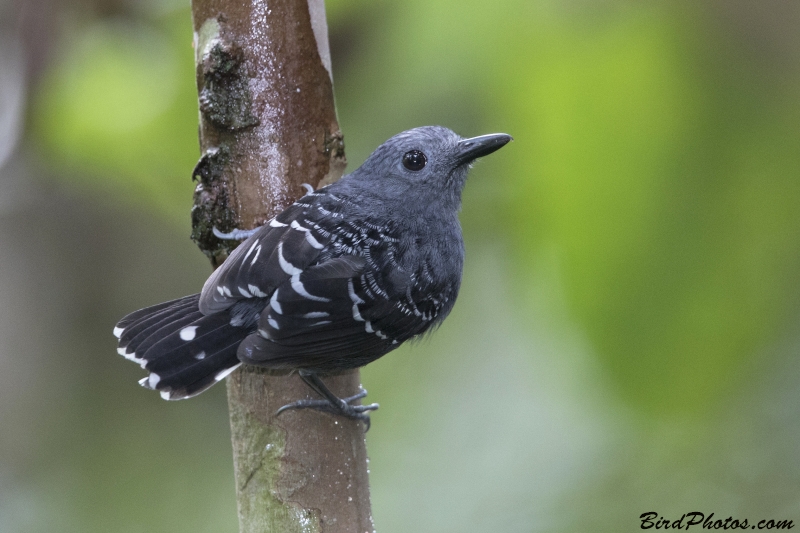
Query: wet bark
[[267, 126]]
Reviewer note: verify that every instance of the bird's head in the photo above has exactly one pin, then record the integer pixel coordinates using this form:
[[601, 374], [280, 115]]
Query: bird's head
[[433, 159]]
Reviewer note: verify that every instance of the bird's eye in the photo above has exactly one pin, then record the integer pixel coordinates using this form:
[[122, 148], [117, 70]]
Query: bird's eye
[[414, 160]]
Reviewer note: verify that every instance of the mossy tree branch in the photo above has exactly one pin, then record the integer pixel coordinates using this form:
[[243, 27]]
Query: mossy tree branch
[[268, 125]]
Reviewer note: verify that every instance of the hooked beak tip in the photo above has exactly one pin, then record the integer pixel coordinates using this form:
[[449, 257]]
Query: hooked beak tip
[[475, 147]]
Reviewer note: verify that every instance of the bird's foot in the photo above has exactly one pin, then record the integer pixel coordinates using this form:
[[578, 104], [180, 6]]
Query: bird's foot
[[341, 408], [235, 235]]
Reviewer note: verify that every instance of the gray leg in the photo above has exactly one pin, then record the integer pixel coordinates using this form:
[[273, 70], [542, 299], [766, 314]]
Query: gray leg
[[332, 403], [235, 235]]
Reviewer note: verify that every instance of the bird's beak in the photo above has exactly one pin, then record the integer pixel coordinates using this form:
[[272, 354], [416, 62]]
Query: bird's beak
[[471, 149]]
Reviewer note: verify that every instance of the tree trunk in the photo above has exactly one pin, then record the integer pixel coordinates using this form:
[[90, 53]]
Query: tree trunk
[[268, 125]]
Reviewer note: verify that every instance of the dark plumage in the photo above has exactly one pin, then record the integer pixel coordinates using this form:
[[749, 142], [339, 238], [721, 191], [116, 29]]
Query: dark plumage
[[341, 277]]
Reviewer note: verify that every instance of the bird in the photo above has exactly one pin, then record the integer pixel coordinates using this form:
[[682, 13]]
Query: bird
[[346, 274]]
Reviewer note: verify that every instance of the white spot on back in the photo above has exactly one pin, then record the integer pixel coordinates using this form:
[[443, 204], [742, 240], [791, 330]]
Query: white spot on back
[[256, 291], [355, 299], [368, 327], [255, 257], [309, 237], [224, 373], [313, 242], [220, 291], [271, 321], [252, 247], [200, 356], [244, 292], [275, 224], [286, 265], [352, 292], [316, 314], [298, 287], [274, 303], [295, 272], [188, 333]]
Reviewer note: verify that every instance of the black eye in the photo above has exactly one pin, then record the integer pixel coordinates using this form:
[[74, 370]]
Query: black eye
[[414, 160]]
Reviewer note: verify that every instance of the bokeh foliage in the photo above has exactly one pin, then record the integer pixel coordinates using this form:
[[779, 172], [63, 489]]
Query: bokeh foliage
[[119, 109], [663, 169]]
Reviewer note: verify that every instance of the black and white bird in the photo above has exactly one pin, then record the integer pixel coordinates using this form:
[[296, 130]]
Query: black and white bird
[[341, 277]]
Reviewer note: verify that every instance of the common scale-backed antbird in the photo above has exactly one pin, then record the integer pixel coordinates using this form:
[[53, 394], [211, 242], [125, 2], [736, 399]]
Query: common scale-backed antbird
[[343, 276]]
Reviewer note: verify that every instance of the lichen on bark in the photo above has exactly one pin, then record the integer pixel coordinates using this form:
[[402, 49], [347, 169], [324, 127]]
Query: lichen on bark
[[225, 98]]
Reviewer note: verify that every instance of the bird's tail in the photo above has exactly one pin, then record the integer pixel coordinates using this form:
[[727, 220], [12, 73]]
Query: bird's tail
[[185, 351]]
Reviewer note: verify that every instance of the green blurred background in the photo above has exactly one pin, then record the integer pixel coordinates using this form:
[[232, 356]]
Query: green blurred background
[[626, 338]]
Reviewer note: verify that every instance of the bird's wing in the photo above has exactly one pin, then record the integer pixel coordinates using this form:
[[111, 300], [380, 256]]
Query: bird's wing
[[280, 249], [342, 313]]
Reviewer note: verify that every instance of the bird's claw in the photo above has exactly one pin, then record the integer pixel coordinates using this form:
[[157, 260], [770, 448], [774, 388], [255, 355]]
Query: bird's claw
[[235, 235], [353, 412]]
